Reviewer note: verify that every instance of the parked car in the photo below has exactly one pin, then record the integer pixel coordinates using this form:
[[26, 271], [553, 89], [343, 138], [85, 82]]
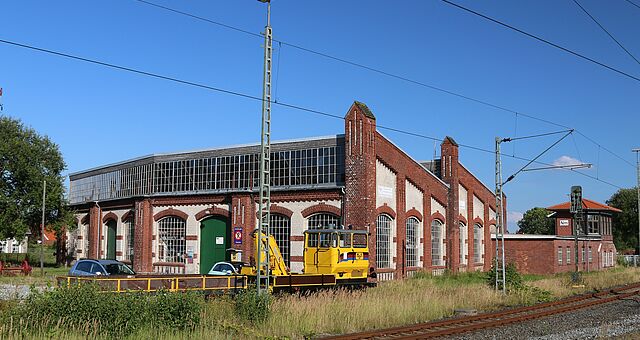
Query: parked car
[[223, 268], [89, 267]]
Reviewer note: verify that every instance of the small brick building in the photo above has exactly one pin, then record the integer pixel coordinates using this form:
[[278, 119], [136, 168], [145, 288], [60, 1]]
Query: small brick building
[[550, 254], [182, 212]]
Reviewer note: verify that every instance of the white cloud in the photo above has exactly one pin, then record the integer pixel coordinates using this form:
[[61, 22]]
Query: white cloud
[[512, 220], [514, 216], [566, 161]]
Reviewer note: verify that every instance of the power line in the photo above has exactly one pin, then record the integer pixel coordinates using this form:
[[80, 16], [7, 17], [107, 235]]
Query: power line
[[542, 40], [605, 31], [388, 74], [247, 96]]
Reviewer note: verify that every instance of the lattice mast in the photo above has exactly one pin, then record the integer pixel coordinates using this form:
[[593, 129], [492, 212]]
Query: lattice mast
[[265, 161], [499, 260]]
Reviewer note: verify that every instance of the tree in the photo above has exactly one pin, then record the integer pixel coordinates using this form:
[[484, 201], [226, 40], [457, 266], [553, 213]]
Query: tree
[[535, 221], [26, 160], [625, 224]]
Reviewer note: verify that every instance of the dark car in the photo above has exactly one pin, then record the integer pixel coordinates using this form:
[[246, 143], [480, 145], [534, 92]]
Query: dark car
[[100, 267]]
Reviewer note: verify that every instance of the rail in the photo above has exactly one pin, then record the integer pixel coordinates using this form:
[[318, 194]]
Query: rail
[[488, 320], [204, 283]]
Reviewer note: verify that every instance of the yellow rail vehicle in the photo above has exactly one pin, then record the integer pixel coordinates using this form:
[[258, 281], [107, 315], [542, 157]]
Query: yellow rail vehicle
[[338, 252]]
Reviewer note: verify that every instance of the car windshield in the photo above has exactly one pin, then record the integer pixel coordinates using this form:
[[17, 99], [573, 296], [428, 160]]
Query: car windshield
[[118, 269]]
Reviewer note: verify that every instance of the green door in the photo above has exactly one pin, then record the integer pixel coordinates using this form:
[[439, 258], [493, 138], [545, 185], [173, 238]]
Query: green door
[[111, 240], [214, 242]]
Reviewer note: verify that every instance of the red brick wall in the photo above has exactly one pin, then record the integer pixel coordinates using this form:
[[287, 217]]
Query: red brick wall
[[360, 174], [95, 222], [142, 242]]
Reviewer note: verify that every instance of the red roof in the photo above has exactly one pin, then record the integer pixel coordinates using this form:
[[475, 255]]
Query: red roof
[[586, 205]]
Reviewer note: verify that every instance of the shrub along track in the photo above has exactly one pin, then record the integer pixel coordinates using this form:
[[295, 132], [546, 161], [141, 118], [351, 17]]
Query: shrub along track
[[494, 319]]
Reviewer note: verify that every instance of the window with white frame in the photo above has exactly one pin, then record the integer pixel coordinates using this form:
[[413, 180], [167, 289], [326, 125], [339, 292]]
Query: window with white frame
[[463, 243], [568, 260], [478, 237], [437, 246], [413, 226], [280, 229], [560, 255], [129, 228], [584, 258], [590, 255], [593, 224], [15, 247], [172, 231], [3, 246], [323, 220], [383, 241]]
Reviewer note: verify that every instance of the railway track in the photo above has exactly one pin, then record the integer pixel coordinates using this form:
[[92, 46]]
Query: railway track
[[461, 325]]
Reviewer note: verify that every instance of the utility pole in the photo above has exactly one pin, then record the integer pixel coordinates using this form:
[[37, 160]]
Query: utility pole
[[637, 151], [44, 195], [576, 209], [265, 159], [501, 279]]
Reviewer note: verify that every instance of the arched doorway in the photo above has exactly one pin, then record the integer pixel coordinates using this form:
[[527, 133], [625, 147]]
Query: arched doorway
[[214, 242], [111, 240]]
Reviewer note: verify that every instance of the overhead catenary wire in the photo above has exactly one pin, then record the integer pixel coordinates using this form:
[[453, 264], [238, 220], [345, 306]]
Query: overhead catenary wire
[[633, 3], [252, 97], [535, 158], [605, 31], [385, 73], [545, 41]]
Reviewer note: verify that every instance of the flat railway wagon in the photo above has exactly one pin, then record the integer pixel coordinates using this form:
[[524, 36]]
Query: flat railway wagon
[[333, 257]]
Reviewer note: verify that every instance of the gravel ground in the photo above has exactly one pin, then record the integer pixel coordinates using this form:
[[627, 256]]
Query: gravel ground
[[618, 319]]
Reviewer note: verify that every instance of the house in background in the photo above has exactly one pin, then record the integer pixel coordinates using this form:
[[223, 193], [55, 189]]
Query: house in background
[[550, 254]]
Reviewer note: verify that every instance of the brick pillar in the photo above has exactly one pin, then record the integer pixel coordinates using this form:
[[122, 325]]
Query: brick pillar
[[94, 226], [449, 164], [401, 227], [142, 242], [426, 227], [243, 215], [488, 250], [360, 172]]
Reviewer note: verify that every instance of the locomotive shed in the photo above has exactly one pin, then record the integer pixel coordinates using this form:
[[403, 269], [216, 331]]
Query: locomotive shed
[[180, 213]]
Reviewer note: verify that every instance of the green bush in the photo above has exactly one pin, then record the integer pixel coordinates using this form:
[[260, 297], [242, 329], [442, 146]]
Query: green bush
[[86, 310], [512, 276], [252, 306]]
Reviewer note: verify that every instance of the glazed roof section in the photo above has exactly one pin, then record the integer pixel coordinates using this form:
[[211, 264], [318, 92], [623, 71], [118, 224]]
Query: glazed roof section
[[312, 163]]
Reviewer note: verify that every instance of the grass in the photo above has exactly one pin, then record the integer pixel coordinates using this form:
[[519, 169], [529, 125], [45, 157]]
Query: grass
[[36, 277], [395, 303]]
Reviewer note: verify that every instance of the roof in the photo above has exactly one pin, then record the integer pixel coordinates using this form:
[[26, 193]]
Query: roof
[[363, 107], [587, 204], [450, 140]]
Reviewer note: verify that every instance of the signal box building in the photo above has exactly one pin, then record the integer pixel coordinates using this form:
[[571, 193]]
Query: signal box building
[[550, 254], [182, 212]]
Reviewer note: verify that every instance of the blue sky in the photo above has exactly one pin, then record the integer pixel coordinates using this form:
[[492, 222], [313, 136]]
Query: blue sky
[[99, 116]]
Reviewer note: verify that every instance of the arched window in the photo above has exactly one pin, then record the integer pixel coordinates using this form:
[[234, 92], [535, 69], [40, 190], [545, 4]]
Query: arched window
[[280, 228], [437, 251], [172, 233], [413, 226], [129, 229], [322, 220], [383, 241], [478, 249], [463, 243]]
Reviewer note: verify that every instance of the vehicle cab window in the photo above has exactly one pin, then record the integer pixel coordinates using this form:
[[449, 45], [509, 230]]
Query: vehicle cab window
[[345, 240], [328, 240]]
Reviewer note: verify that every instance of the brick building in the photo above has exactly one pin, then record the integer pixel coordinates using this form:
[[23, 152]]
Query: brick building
[[550, 254], [184, 211]]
